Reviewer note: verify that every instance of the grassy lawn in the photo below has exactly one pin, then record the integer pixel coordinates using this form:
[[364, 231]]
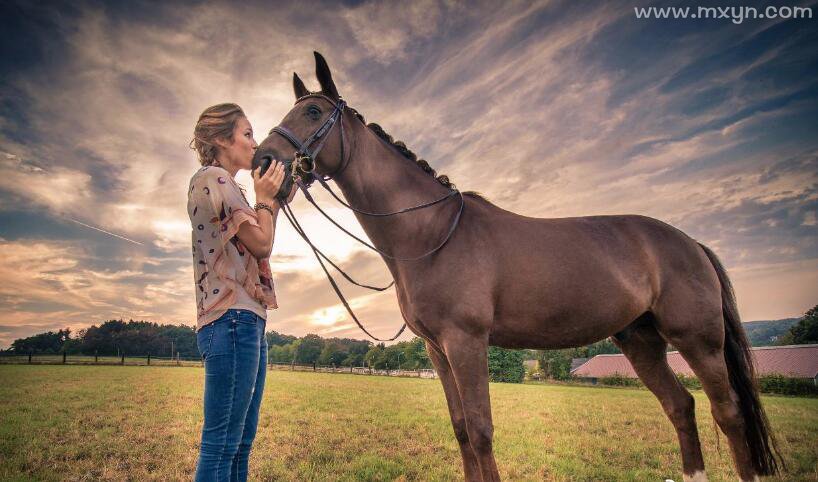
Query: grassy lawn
[[143, 423]]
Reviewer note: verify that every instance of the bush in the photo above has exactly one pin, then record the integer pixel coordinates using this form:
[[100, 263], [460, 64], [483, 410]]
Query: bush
[[786, 386], [505, 365], [620, 381], [691, 383]]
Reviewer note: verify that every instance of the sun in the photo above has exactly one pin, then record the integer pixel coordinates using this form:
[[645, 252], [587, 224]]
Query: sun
[[327, 316]]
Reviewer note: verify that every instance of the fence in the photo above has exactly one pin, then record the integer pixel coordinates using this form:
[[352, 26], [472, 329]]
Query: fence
[[150, 360]]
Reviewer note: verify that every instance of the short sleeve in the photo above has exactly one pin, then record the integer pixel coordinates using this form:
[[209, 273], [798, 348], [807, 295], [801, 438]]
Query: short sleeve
[[230, 209]]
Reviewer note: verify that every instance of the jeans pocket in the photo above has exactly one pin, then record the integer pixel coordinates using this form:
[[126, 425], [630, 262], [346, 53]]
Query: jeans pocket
[[204, 338]]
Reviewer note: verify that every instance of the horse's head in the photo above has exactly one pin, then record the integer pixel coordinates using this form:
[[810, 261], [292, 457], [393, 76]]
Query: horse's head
[[310, 139]]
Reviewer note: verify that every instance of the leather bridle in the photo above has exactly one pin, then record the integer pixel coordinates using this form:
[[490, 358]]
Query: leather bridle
[[305, 156], [303, 152]]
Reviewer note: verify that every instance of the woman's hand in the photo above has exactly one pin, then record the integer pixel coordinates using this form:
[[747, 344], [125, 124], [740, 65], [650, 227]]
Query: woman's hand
[[267, 186]]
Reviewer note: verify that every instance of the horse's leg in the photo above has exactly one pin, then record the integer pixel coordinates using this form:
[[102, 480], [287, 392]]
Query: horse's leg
[[470, 467], [468, 358], [709, 366], [700, 340], [645, 349]]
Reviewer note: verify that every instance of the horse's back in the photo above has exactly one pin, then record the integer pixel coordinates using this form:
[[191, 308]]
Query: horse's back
[[580, 278]]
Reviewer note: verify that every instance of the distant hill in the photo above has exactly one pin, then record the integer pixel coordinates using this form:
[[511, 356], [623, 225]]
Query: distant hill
[[766, 332]]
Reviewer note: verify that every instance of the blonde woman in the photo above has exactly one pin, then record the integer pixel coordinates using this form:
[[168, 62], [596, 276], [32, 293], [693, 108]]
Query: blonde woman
[[232, 242]]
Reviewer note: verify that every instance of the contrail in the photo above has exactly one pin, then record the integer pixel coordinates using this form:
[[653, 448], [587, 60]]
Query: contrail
[[106, 232]]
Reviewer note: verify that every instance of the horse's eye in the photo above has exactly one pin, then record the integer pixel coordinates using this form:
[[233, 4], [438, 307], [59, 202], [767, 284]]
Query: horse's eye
[[313, 112]]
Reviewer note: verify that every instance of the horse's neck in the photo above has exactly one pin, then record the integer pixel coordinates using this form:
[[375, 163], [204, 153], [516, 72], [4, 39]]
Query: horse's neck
[[380, 179]]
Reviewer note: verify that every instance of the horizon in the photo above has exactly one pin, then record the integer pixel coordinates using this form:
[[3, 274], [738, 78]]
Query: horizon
[[401, 339], [549, 109]]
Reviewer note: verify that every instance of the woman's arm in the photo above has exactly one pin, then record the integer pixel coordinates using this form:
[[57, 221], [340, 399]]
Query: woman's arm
[[259, 239]]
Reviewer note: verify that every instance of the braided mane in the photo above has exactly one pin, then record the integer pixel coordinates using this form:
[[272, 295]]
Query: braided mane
[[401, 147]]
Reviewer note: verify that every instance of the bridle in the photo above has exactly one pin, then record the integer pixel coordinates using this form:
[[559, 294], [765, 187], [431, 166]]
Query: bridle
[[304, 153], [304, 163]]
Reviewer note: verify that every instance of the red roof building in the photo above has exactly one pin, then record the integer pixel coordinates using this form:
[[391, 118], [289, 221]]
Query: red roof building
[[795, 361]]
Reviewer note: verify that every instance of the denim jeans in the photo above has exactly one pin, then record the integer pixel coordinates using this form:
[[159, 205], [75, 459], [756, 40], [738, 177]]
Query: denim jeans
[[234, 350]]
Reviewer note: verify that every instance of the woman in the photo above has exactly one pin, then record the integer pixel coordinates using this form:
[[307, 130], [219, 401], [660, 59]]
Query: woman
[[234, 287]]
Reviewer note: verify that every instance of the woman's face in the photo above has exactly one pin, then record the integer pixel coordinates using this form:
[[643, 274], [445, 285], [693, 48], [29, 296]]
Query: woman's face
[[241, 151]]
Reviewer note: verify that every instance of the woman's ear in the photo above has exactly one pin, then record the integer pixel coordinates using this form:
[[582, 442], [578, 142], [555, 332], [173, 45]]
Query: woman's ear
[[222, 143], [298, 87], [325, 77]]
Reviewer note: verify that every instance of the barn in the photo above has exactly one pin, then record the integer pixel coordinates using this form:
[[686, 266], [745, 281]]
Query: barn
[[793, 361]]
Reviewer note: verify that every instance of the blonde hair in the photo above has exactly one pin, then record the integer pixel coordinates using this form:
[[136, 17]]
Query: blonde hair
[[216, 122]]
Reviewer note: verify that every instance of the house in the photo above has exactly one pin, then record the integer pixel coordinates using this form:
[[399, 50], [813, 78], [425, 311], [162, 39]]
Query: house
[[795, 361]]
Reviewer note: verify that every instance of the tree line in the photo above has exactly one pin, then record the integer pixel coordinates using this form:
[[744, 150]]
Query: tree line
[[140, 338]]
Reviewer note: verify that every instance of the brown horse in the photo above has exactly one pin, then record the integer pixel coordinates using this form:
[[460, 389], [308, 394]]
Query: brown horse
[[513, 281]]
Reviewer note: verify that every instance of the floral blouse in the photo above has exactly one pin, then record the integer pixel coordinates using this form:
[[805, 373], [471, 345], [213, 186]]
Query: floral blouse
[[225, 272]]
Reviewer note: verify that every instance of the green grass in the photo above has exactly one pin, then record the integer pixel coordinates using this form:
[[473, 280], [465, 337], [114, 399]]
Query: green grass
[[143, 423]]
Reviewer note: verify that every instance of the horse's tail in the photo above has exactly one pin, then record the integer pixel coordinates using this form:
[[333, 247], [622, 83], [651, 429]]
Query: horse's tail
[[766, 458]]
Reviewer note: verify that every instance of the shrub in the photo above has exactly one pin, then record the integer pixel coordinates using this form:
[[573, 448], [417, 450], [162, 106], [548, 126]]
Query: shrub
[[505, 365], [619, 381], [783, 385], [691, 383]]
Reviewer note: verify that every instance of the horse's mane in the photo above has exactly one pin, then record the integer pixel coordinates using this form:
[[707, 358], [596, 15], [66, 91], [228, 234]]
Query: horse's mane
[[401, 147]]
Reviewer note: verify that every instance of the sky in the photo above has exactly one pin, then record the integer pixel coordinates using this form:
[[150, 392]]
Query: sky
[[550, 109]]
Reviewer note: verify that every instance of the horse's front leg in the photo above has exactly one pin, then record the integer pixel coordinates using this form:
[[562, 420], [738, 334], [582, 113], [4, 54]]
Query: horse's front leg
[[444, 371], [467, 354]]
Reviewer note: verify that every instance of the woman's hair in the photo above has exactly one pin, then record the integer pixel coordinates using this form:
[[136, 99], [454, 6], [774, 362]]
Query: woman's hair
[[216, 122]]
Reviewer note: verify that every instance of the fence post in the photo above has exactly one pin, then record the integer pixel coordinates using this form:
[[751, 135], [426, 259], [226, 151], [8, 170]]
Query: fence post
[[63, 357], [29, 358], [178, 361], [149, 359], [314, 368], [123, 358], [96, 356]]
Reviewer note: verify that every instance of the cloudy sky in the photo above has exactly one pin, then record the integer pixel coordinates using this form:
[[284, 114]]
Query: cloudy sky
[[550, 109]]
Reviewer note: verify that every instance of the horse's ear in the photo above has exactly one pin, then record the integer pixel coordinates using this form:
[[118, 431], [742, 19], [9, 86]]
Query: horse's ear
[[298, 87], [325, 77]]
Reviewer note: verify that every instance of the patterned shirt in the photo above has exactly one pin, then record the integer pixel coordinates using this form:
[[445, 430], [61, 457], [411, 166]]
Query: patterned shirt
[[225, 272]]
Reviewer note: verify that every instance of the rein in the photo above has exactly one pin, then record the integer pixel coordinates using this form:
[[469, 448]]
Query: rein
[[304, 152]]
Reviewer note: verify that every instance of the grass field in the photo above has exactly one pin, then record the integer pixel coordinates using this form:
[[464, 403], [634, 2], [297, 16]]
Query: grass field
[[143, 423]]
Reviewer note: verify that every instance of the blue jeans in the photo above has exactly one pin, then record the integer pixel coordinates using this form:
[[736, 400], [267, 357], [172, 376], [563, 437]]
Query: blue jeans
[[234, 350]]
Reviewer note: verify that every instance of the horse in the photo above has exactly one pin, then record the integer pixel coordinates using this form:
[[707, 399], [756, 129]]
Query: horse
[[508, 280]]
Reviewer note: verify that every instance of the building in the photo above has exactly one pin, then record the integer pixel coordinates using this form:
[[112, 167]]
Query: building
[[794, 361]]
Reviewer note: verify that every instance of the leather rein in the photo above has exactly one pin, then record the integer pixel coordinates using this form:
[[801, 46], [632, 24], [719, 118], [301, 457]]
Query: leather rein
[[305, 151]]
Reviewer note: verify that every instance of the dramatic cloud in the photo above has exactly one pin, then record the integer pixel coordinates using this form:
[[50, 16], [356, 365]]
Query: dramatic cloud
[[548, 108]]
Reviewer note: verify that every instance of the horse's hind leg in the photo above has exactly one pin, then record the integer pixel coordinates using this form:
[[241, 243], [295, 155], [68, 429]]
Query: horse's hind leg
[[700, 339], [444, 371], [708, 363], [645, 349]]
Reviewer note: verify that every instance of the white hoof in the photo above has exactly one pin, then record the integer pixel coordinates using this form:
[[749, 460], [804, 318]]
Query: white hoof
[[697, 476]]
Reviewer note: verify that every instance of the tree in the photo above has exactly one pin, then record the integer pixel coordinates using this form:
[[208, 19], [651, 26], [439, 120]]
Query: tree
[[281, 353], [48, 342], [374, 357], [414, 354], [804, 332], [333, 353], [276, 338], [556, 364], [505, 365], [309, 349]]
